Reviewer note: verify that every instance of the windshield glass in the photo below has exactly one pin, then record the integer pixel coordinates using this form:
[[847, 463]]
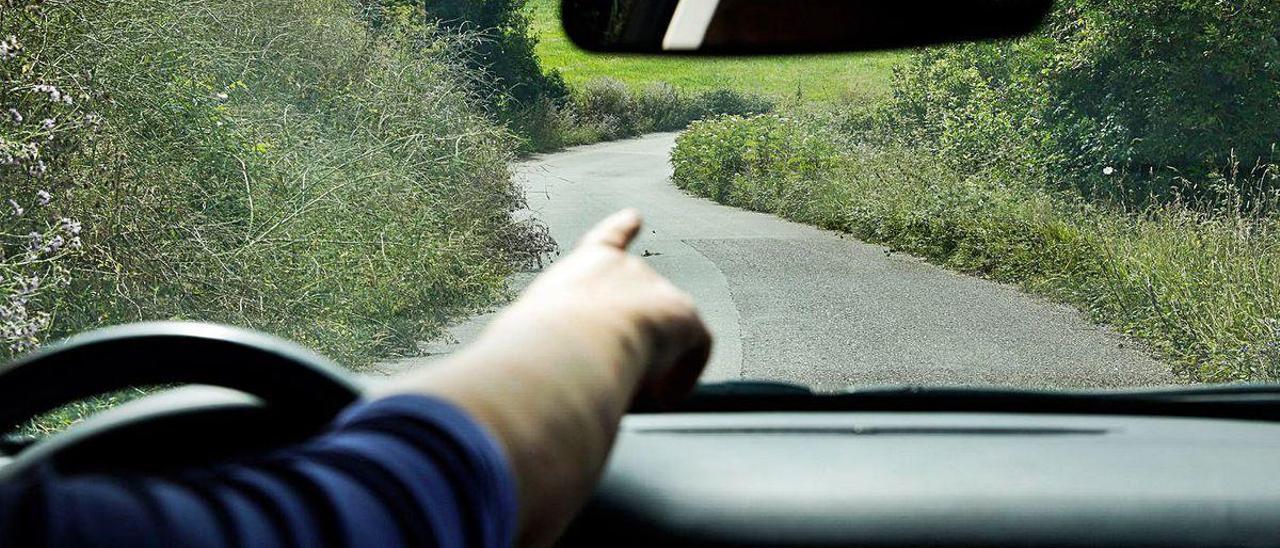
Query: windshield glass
[[1093, 205]]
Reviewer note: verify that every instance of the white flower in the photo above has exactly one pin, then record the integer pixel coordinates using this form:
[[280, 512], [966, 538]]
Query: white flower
[[10, 47], [1108, 170], [55, 94], [54, 244], [72, 226], [15, 115], [44, 197], [17, 209], [47, 124]]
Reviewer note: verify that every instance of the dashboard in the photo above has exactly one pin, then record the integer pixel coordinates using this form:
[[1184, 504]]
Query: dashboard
[[935, 478], [738, 463]]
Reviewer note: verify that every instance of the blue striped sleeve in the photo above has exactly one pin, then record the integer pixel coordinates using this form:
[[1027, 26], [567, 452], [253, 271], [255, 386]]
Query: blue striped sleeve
[[399, 471]]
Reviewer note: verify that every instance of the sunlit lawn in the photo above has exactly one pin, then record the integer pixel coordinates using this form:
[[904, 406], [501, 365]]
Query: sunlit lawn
[[816, 77]]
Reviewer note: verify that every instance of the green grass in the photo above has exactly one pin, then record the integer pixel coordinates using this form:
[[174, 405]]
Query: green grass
[[845, 77]]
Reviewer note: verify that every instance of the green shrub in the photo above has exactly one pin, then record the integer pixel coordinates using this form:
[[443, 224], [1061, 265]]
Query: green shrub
[[607, 104], [605, 109], [542, 126], [498, 50], [1159, 92], [45, 129], [274, 164], [662, 107], [763, 162], [730, 101]]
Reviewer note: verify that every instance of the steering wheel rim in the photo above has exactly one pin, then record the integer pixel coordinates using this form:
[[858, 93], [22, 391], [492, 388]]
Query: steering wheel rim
[[272, 373]]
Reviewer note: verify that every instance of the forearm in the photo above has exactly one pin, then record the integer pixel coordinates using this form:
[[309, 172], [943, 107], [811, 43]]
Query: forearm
[[555, 408]]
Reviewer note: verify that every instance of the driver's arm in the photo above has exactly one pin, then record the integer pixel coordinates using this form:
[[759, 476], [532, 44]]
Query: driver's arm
[[499, 443], [553, 375]]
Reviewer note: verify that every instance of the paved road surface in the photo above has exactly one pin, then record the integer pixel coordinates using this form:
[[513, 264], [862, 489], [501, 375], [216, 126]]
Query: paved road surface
[[791, 302]]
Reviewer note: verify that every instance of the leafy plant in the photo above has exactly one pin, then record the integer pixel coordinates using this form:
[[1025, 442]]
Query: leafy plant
[[1122, 99], [44, 129], [498, 51]]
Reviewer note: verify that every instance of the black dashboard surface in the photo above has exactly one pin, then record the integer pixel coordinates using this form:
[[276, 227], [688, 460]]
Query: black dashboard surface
[[903, 478]]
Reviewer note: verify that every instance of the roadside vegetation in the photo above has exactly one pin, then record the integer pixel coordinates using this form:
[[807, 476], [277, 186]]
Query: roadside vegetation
[[276, 164], [1125, 168], [605, 109]]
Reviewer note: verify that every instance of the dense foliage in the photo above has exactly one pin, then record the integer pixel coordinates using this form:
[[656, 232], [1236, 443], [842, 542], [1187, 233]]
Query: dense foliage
[[1156, 94], [44, 127], [276, 165], [498, 52]]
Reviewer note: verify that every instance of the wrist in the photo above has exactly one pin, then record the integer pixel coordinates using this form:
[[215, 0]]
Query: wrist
[[571, 335]]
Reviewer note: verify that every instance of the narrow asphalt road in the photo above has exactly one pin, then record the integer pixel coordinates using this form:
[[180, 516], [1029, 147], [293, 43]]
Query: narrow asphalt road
[[795, 303]]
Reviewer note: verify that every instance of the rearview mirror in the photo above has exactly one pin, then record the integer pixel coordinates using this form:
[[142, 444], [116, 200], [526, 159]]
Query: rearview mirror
[[790, 26]]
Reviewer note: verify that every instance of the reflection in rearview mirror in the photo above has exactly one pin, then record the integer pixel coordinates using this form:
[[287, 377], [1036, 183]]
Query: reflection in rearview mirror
[[791, 26]]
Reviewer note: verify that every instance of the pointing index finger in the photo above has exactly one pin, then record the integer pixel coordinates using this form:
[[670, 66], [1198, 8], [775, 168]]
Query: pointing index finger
[[616, 230]]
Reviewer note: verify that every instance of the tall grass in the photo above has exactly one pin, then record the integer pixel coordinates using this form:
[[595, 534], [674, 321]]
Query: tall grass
[[1201, 286], [277, 164]]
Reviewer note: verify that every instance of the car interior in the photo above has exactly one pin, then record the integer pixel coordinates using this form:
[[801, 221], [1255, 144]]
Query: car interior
[[739, 463]]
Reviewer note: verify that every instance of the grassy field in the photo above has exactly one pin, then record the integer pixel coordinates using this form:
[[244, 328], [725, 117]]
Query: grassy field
[[816, 77]]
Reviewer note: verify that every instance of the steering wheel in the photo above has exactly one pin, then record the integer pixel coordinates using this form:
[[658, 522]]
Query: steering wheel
[[260, 392]]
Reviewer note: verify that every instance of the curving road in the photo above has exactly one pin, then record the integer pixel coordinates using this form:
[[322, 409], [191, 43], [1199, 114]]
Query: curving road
[[795, 303]]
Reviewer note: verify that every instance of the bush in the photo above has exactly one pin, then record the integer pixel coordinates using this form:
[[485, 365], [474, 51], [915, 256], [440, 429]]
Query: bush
[[759, 162], [498, 51], [1160, 92], [662, 107], [46, 129], [606, 109], [275, 165], [607, 104], [1202, 287], [729, 101]]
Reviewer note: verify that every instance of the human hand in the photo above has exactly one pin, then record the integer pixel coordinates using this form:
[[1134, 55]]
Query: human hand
[[603, 302]]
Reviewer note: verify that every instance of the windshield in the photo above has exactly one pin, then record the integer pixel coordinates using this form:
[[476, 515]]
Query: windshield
[[1090, 206]]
